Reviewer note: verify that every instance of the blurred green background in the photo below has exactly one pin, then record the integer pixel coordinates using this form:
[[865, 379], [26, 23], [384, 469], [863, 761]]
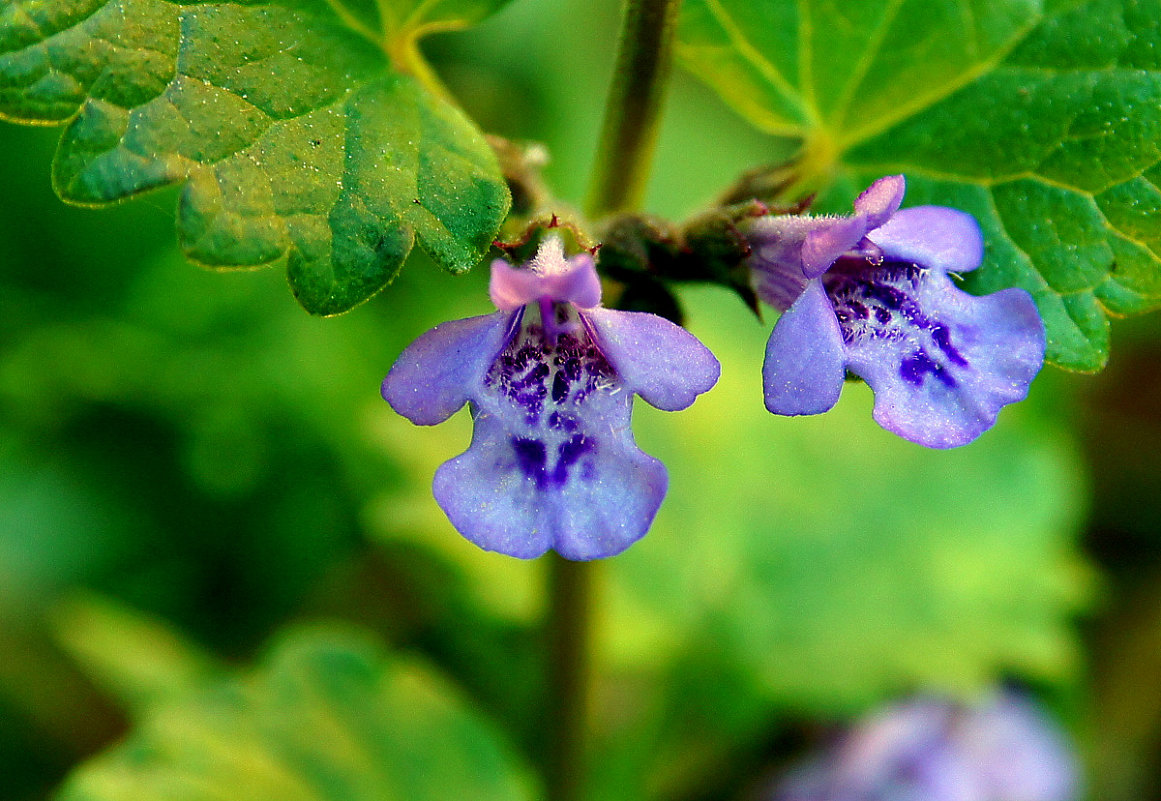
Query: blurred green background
[[194, 448]]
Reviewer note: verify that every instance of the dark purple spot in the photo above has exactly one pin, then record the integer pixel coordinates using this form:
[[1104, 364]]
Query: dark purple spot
[[562, 422], [916, 366], [913, 367], [942, 338], [567, 454], [560, 386], [891, 297], [531, 458], [536, 375], [883, 316], [914, 315]]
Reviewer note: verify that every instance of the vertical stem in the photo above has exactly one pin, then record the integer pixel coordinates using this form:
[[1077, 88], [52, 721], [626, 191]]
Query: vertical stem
[[632, 114], [569, 625], [633, 109]]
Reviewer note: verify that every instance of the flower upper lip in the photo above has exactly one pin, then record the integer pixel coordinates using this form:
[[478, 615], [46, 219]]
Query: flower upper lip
[[548, 276]]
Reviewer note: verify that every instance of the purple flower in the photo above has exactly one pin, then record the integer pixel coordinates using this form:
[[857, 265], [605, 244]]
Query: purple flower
[[871, 294], [1005, 749], [550, 378]]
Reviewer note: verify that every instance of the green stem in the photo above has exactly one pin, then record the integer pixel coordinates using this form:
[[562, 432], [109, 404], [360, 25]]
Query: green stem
[[569, 629], [633, 110], [632, 114]]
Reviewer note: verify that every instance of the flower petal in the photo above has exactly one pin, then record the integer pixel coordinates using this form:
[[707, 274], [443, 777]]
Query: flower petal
[[776, 257], [880, 200], [942, 363], [831, 238], [548, 275], [1018, 751], [579, 284], [437, 373], [929, 749], [803, 370], [662, 362], [508, 493], [512, 288], [932, 236]]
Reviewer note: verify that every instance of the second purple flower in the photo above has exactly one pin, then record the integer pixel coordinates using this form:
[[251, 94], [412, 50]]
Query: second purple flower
[[871, 294]]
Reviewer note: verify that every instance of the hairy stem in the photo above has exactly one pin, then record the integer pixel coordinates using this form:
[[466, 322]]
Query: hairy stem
[[633, 109], [569, 619]]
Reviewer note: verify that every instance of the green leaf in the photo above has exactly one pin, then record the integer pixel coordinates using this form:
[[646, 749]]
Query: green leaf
[[299, 139], [60, 525], [137, 659], [1041, 118], [328, 715]]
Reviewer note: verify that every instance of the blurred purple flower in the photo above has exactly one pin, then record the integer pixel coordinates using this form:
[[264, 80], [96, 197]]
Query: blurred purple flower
[[1004, 749], [550, 378], [871, 293]]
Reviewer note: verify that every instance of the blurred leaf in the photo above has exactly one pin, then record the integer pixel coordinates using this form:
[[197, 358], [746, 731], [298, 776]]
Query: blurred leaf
[[213, 416], [327, 716], [303, 142], [58, 525], [1042, 118], [137, 659]]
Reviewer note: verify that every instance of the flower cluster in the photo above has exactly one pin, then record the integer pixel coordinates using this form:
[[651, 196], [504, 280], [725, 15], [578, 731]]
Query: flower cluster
[[871, 294], [551, 375], [1004, 749], [550, 378]]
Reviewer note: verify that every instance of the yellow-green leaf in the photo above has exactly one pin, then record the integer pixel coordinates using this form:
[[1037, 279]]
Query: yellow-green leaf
[[328, 715]]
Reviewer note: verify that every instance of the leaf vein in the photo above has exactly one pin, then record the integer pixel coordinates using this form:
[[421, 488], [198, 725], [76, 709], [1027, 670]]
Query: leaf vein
[[874, 45], [748, 51], [924, 101], [806, 52], [969, 25]]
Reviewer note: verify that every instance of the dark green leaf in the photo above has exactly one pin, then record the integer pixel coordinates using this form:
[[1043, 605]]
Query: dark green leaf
[[1041, 118], [328, 716], [300, 141]]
